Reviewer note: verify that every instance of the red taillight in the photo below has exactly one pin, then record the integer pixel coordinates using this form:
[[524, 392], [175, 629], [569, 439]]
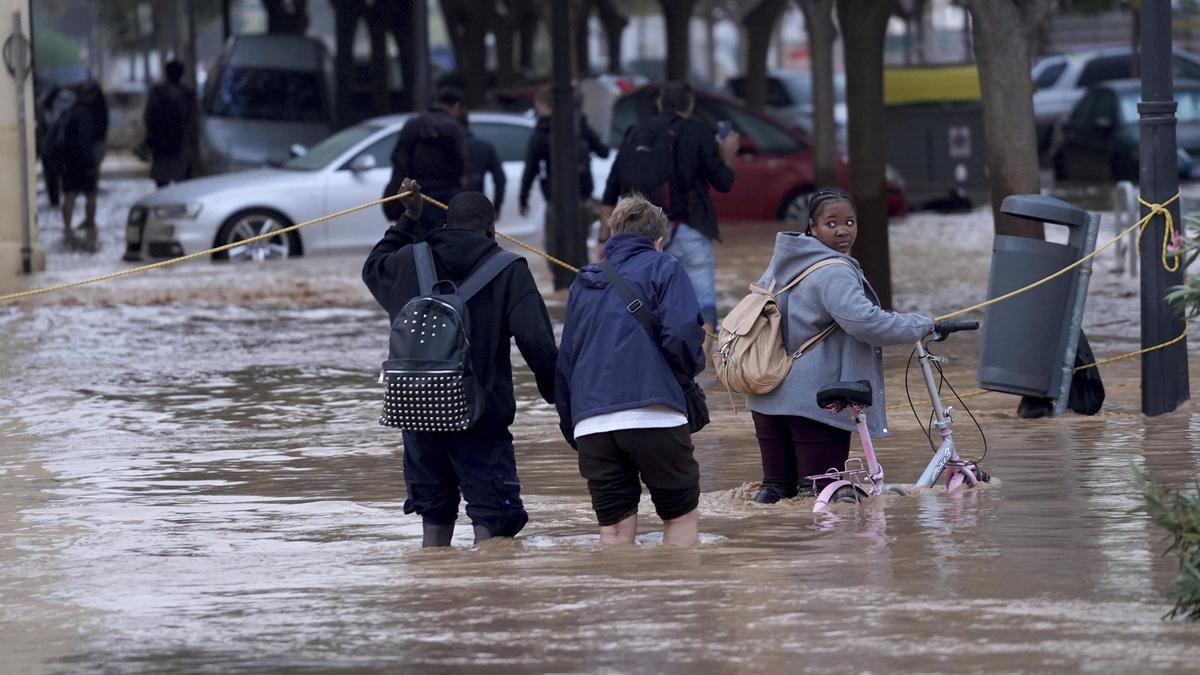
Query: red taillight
[[623, 85]]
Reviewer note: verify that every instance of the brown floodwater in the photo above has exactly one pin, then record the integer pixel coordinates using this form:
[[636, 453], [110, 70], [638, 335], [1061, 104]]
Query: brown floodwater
[[192, 479]]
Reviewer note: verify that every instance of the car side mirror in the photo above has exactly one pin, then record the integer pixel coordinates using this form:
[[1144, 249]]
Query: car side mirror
[[297, 150], [363, 162]]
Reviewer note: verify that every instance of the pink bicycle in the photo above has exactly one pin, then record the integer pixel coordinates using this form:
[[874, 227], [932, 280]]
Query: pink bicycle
[[857, 480]]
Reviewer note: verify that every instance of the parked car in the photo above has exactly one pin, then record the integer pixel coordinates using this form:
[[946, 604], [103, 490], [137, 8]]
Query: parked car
[[774, 168], [347, 169], [1060, 81], [1099, 139], [790, 98], [265, 94]]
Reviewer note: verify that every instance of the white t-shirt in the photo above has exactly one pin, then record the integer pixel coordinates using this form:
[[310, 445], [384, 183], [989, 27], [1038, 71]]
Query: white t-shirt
[[649, 417]]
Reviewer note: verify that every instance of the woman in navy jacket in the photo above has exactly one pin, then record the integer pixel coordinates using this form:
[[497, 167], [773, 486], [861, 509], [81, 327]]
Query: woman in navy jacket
[[619, 403]]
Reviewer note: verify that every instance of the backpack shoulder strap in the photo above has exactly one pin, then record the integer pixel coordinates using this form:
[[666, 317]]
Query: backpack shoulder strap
[[633, 304], [483, 275], [426, 272], [813, 268]]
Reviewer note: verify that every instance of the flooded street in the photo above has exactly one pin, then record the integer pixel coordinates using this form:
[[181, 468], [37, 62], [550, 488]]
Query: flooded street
[[192, 480]]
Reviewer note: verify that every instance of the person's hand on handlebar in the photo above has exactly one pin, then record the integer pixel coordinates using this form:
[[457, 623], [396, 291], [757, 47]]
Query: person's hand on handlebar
[[942, 329]]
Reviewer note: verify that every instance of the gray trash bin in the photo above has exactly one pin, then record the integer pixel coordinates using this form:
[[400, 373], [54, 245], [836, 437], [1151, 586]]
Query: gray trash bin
[[1029, 341]]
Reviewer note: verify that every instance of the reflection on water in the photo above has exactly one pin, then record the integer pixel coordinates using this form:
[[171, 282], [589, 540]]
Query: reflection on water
[[190, 485]]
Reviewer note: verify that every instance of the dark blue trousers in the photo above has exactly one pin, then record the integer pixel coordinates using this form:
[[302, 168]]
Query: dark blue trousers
[[479, 464]]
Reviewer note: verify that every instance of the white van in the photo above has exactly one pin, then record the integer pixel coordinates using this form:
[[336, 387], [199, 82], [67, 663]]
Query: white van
[[265, 94]]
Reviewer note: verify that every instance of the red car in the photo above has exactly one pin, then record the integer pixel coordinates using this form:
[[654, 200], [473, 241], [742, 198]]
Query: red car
[[774, 168]]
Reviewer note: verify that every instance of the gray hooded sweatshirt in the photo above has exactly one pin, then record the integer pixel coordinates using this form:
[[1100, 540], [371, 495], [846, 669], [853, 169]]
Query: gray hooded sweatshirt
[[851, 352]]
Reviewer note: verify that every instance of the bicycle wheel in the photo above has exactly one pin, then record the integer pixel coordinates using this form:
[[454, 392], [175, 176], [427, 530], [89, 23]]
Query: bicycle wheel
[[847, 494]]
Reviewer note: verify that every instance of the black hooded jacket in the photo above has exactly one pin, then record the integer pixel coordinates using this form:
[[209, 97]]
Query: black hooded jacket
[[509, 307]]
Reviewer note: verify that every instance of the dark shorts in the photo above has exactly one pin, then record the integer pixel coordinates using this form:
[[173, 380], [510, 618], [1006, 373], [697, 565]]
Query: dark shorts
[[612, 462]]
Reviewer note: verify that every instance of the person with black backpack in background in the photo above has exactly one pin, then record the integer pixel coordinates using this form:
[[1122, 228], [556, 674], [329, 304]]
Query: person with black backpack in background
[[170, 121], [672, 159], [431, 149], [537, 165], [458, 294]]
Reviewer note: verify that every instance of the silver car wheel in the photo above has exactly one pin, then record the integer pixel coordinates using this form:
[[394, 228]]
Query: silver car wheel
[[797, 209], [252, 225]]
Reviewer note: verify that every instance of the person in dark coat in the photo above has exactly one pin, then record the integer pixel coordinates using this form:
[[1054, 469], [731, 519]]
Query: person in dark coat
[[431, 149], [537, 166], [51, 116], [170, 121], [619, 402], [702, 161], [86, 127], [482, 159], [479, 462]]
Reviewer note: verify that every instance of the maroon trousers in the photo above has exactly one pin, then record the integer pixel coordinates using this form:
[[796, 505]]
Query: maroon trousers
[[794, 447]]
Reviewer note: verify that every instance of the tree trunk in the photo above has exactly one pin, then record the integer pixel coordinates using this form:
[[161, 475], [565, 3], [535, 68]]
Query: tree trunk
[[467, 26], [760, 24], [380, 86], [504, 28], [1135, 41], [614, 24], [677, 15], [822, 33], [527, 25], [581, 13], [345, 16], [1002, 30], [397, 15], [864, 26], [286, 16]]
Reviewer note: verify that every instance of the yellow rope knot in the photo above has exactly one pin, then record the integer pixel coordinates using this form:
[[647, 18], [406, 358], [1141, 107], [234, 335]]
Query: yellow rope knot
[[1169, 264]]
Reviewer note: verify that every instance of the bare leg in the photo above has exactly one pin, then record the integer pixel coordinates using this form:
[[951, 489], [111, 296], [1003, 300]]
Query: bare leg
[[90, 210], [682, 531], [68, 208], [621, 533]]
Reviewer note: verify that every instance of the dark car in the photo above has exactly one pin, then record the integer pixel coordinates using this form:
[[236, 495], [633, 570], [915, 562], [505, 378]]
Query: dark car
[[1098, 140], [774, 168]]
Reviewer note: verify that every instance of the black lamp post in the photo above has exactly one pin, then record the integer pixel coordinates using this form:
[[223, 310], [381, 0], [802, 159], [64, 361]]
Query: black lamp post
[[1164, 371]]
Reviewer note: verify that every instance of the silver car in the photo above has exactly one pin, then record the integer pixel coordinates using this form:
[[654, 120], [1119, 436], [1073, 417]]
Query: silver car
[[347, 169]]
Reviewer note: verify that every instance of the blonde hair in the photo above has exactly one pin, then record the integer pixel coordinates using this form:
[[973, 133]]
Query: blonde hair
[[635, 214]]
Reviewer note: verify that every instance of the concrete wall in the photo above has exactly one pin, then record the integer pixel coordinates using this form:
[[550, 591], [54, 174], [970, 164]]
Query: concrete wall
[[12, 217]]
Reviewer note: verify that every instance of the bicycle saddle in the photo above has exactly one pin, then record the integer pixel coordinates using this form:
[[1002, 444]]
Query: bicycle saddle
[[843, 394]]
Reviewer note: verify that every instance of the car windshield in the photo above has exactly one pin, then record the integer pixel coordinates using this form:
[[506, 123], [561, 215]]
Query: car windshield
[[1187, 112], [321, 154], [266, 94]]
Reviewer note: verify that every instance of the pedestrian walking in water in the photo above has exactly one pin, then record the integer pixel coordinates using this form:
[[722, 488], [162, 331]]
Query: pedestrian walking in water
[[537, 166], [479, 463], [52, 113], [84, 134], [796, 437], [619, 400], [482, 159], [673, 159], [170, 122], [431, 149]]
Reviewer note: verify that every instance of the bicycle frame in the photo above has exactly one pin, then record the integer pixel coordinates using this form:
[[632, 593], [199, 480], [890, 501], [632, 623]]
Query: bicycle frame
[[947, 453], [851, 475]]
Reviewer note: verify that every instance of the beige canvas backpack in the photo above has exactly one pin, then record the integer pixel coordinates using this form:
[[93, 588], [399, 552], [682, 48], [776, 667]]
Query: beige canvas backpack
[[750, 357]]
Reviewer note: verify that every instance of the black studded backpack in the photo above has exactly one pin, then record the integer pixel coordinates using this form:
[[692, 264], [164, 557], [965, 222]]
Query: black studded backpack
[[429, 381]]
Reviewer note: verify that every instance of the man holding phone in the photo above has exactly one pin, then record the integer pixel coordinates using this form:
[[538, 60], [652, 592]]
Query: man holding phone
[[698, 158]]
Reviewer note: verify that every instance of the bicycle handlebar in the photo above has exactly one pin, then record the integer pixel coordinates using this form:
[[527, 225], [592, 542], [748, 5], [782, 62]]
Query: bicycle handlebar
[[943, 329]]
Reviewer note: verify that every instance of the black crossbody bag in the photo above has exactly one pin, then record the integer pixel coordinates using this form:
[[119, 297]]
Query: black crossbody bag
[[693, 395]]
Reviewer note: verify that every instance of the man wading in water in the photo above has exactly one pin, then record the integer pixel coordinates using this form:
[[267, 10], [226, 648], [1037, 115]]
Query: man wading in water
[[479, 461]]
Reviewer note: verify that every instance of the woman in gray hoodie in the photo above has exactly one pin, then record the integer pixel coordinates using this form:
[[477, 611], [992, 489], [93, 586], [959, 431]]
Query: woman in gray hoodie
[[796, 437]]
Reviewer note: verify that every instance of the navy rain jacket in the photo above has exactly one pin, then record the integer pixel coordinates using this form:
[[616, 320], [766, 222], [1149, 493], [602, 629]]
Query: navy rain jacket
[[607, 362]]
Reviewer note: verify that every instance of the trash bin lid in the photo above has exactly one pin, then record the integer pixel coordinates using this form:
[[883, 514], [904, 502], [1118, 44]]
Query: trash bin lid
[[1044, 209]]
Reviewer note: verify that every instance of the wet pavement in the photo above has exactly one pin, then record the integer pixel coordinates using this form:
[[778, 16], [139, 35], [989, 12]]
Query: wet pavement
[[192, 480]]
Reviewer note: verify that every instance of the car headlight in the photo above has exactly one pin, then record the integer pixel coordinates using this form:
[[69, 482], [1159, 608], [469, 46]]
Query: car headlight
[[172, 211]]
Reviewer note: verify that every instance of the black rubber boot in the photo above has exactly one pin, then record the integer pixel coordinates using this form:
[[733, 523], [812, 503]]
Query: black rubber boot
[[770, 493], [435, 535], [482, 534]]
